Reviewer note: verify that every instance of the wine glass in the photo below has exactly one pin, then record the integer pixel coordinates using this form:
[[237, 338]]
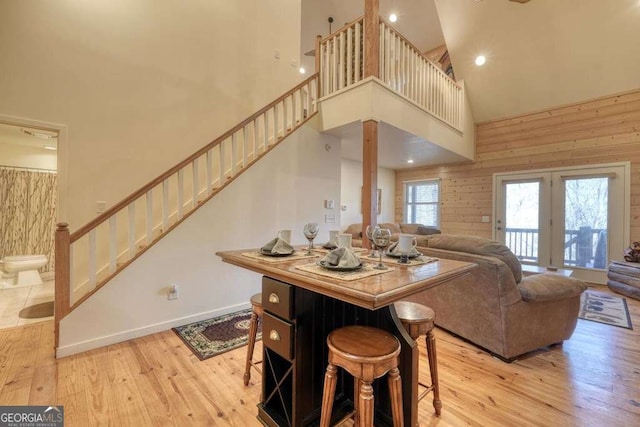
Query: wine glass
[[310, 232], [382, 239], [369, 232]]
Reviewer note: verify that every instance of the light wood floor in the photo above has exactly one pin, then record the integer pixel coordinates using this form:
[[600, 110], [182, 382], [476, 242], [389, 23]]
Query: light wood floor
[[593, 380]]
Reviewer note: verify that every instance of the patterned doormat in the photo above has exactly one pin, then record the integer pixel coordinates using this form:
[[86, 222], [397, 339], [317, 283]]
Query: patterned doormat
[[211, 337], [605, 309]]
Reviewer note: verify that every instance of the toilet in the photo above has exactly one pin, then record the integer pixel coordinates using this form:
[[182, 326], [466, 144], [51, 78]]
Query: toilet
[[21, 270]]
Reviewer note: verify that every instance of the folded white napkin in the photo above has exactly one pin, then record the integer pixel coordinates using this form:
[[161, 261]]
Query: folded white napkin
[[342, 257], [278, 246], [393, 249]]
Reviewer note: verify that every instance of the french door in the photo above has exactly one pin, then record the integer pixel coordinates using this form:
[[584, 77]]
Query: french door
[[571, 218]]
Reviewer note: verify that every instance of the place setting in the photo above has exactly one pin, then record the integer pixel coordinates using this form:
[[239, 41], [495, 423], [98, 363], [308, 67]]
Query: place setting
[[345, 264], [332, 243], [280, 249], [403, 252]]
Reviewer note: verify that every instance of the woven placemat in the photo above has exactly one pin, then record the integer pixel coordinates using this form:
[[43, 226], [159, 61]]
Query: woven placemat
[[411, 263], [366, 271], [273, 259], [326, 251]]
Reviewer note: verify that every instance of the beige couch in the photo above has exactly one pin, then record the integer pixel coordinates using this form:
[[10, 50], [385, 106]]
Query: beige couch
[[494, 306], [421, 232]]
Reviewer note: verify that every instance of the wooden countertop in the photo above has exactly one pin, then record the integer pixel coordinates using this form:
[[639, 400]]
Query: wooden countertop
[[370, 292]]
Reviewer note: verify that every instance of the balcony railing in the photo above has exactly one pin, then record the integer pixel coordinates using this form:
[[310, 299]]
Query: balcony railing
[[402, 68], [585, 247]]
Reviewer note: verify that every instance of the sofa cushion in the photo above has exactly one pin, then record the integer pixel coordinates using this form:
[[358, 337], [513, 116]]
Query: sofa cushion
[[355, 230], [426, 231], [392, 226], [479, 246], [550, 287]]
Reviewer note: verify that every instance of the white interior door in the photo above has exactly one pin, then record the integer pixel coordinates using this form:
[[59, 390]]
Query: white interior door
[[575, 219]]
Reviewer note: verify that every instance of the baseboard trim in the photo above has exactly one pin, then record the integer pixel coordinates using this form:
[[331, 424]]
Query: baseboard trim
[[80, 347]]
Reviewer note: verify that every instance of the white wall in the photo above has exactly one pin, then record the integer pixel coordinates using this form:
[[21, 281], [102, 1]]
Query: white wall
[[140, 85], [351, 189], [286, 189], [27, 157]]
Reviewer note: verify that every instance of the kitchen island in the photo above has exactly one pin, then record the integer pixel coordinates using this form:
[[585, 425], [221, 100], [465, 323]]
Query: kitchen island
[[302, 306]]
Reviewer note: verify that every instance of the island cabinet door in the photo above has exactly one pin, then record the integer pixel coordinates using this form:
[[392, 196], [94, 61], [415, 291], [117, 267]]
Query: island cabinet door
[[295, 356]]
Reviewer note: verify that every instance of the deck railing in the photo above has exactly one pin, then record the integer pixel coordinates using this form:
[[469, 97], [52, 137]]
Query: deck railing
[[402, 67], [585, 247], [95, 253]]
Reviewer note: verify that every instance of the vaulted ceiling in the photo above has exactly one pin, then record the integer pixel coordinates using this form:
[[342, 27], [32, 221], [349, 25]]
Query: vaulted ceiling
[[540, 54]]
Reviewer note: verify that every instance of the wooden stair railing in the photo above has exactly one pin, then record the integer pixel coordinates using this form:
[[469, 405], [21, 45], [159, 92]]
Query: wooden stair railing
[[91, 256]]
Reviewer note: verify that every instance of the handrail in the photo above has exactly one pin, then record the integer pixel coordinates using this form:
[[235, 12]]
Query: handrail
[[341, 57], [407, 71], [90, 257], [403, 68], [416, 50], [341, 29], [140, 192]]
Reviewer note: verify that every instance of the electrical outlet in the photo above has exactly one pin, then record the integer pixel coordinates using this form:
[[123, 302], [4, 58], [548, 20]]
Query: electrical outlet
[[101, 206], [173, 292], [485, 218], [330, 219]]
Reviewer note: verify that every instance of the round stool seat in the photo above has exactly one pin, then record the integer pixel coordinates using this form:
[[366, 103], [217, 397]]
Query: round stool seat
[[363, 344], [366, 353], [416, 318], [256, 303]]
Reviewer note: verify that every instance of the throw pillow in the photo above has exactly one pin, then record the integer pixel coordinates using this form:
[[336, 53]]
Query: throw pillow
[[427, 231]]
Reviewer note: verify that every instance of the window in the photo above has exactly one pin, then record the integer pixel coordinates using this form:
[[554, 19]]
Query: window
[[422, 202]]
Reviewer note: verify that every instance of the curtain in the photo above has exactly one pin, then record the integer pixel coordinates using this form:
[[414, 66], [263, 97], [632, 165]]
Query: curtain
[[28, 213]]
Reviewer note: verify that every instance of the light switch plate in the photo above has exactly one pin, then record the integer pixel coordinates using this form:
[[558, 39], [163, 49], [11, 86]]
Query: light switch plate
[[485, 218], [329, 204]]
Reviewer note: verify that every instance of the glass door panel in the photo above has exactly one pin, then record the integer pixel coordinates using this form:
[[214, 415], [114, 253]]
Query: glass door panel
[[586, 202], [522, 219]]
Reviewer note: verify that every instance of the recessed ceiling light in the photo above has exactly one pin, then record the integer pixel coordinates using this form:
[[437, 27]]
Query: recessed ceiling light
[[409, 161], [393, 17], [480, 60], [302, 70]]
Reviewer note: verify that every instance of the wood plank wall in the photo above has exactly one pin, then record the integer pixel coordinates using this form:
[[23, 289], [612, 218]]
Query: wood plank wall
[[603, 130]]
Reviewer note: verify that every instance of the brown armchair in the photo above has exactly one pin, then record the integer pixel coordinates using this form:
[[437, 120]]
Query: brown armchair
[[494, 306]]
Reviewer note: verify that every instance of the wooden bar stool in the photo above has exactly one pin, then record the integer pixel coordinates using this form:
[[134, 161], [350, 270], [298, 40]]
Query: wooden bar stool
[[366, 353], [418, 319], [256, 316]]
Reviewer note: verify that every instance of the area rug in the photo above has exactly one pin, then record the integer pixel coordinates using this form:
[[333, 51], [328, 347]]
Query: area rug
[[605, 309], [211, 337]]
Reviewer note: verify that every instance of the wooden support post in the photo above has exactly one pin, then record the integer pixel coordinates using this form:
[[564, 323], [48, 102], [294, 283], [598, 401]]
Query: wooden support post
[[369, 176], [62, 276], [371, 38]]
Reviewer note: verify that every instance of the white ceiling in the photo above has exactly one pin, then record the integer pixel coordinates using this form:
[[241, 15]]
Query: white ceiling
[[541, 54], [395, 147]]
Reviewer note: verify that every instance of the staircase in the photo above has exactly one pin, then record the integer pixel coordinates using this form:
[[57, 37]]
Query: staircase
[[94, 254], [91, 256]]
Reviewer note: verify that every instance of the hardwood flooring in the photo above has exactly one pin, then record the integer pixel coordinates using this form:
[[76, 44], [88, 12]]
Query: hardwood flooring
[[592, 380]]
